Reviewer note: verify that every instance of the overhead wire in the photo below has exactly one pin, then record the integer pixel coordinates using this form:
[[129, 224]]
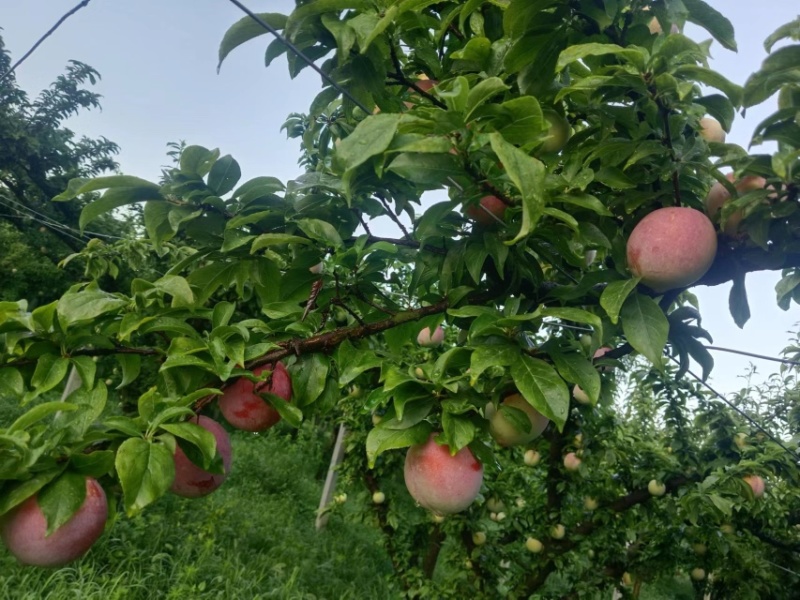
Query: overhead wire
[[47, 34]]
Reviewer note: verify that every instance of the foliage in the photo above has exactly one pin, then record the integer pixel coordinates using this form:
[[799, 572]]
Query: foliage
[[38, 157], [524, 307]]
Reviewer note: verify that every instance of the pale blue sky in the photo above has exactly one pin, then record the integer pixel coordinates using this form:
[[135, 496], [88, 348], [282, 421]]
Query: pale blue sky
[[158, 63]]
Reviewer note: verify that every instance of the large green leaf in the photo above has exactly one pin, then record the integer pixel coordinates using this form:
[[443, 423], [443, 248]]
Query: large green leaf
[[245, 29], [61, 499], [116, 197], [614, 296], [380, 440], [712, 21], [645, 326], [542, 387], [87, 305], [145, 470], [528, 175]]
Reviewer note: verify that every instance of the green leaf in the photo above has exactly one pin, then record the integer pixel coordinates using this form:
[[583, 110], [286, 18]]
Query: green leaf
[[484, 357], [178, 288], [95, 464], [145, 470], [429, 170], [371, 137], [266, 240], [458, 431], [632, 54], [61, 499], [308, 378], [645, 326], [224, 175], [197, 161], [578, 369], [353, 361], [16, 494], [131, 365], [89, 404], [712, 21], [322, 231], [528, 175], [246, 29], [615, 295], [50, 371], [527, 121], [39, 412], [11, 383], [481, 93], [87, 305], [380, 440], [200, 438], [114, 198], [711, 79], [737, 301], [86, 368], [542, 387], [573, 314], [380, 27]]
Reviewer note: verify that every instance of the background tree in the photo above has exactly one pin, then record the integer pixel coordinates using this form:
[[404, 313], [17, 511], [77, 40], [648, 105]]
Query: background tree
[[574, 128], [38, 158]]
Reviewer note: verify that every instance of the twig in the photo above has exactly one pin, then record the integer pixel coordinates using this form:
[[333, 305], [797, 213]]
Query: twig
[[392, 216]]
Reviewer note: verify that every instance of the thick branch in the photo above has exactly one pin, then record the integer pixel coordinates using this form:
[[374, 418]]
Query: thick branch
[[729, 262], [330, 340]]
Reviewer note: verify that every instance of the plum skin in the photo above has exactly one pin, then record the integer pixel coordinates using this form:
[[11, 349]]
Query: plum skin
[[24, 530], [192, 481], [439, 481], [244, 409], [672, 248]]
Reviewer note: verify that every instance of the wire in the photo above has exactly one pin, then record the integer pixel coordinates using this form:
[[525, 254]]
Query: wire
[[741, 412], [53, 224], [50, 31], [785, 361], [299, 53]]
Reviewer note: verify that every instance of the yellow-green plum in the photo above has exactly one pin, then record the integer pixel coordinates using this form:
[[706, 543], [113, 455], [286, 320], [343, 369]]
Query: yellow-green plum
[[441, 482], [671, 248], [558, 132], [24, 530], [656, 488], [244, 409], [192, 481], [505, 431], [711, 130]]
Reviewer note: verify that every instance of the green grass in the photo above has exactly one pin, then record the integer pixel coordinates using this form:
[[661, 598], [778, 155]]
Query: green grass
[[253, 538]]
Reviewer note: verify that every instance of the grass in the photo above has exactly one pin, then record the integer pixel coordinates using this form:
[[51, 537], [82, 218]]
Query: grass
[[253, 538]]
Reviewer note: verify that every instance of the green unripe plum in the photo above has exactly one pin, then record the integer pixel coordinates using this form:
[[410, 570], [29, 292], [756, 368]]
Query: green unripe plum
[[479, 538], [24, 530], [698, 574], [439, 481], [558, 532], [378, 498], [656, 488], [505, 431], [532, 458], [534, 545]]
